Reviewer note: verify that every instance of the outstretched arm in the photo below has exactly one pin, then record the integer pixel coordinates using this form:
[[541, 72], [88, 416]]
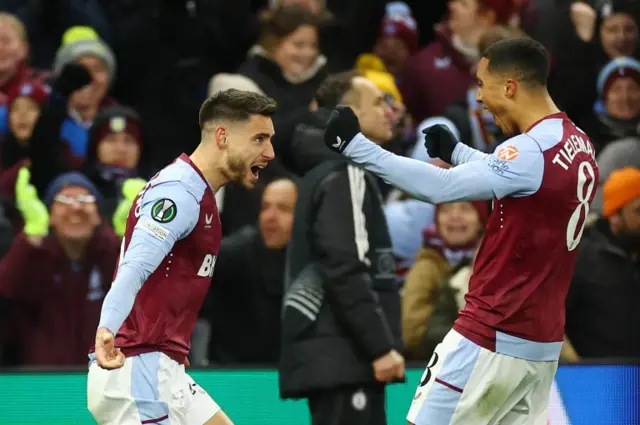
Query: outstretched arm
[[520, 174], [463, 154]]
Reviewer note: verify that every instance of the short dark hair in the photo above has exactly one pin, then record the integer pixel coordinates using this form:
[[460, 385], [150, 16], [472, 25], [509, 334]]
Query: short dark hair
[[524, 58], [236, 105], [334, 88]]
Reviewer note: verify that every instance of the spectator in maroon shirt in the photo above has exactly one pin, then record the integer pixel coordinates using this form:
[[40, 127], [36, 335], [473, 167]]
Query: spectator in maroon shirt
[[442, 72], [56, 305]]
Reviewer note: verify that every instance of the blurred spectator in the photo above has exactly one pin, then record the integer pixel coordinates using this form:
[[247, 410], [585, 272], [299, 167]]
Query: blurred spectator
[[588, 38], [467, 118], [114, 152], [616, 155], [448, 304], [341, 317], [24, 104], [350, 27], [59, 301], [245, 303], [442, 72], [616, 114], [287, 64], [88, 50], [602, 308], [453, 239], [398, 39], [14, 51]]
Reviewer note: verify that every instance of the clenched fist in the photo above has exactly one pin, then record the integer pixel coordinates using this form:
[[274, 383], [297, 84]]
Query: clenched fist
[[389, 367], [342, 127]]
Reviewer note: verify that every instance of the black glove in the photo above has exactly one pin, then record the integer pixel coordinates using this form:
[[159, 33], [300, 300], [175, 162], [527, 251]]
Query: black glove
[[71, 78], [342, 127], [440, 142]]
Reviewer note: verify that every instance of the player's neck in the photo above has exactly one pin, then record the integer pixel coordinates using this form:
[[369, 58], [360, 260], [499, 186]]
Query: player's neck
[[209, 169], [536, 107]]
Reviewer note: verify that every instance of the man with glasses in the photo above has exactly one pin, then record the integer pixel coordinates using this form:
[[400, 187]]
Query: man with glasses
[[57, 271]]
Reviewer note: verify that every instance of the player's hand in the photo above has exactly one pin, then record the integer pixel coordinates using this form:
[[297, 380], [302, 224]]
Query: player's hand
[[342, 127], [440, 142], [389, 367], [130, 189], [107, 355], [34, 213]]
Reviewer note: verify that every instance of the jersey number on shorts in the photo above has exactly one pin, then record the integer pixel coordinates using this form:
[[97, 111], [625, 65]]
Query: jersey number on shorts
[[577, 221], [426, 376]]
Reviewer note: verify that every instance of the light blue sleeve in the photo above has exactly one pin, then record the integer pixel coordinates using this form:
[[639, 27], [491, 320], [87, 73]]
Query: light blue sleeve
[[462, 154], [485, 179], [152, 239]]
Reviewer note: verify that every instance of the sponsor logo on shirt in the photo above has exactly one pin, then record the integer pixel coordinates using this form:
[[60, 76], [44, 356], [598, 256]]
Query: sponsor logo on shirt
[[154, 229], [206, 269], [507, 153]]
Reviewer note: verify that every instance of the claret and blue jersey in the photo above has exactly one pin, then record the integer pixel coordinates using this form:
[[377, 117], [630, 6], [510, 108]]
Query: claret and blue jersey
[[542, 183], [166, 262]]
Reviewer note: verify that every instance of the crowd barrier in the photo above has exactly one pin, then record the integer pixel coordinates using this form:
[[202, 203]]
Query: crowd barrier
[[582, 395]]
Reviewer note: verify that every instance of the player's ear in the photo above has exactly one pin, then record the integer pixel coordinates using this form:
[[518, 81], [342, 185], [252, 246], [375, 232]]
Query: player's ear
[[220, 136], [510, 88]]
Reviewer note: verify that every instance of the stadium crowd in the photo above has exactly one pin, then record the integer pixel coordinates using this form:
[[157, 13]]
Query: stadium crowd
[[99, 95]]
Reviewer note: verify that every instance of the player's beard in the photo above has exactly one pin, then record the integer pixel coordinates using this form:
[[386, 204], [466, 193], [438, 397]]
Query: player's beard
[[236, 168]]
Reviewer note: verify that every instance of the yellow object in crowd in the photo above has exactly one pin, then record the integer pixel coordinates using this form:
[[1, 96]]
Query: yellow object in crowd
[[373, 69], [78, 33]]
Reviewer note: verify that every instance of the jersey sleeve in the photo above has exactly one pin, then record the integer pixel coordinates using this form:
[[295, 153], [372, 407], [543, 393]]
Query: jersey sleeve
[[463, 154], [168, 212], [516, 169]]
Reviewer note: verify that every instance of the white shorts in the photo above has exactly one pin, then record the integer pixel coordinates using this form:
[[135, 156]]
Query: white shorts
[[467, 384], [150, 388]]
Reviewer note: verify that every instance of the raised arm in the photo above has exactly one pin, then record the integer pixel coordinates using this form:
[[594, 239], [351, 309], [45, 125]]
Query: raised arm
[[518, 171]]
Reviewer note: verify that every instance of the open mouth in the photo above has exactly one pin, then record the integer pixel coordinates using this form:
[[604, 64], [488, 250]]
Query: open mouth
[[255, 171]]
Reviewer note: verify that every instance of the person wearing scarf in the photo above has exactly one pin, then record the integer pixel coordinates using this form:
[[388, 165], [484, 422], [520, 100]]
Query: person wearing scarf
[[447, 244]]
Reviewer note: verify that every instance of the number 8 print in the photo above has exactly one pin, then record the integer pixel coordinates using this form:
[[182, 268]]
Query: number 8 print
[[586, 176]]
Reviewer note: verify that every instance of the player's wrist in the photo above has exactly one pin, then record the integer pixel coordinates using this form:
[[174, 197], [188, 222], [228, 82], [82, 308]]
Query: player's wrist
[[103, 329]]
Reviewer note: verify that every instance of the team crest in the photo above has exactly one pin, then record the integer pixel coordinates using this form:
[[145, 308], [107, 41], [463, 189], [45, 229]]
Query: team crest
[[164, 210]]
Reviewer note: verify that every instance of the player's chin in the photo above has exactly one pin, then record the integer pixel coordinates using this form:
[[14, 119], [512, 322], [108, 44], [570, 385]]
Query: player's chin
[[250, 179]]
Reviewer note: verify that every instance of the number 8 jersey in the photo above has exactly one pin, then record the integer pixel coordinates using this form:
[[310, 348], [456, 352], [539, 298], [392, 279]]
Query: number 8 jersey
[[524, 266]]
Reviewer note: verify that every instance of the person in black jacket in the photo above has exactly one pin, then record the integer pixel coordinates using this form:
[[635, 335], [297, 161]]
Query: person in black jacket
[[341, 316]]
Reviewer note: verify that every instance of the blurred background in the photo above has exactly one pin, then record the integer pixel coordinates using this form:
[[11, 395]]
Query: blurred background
[[151, 63]]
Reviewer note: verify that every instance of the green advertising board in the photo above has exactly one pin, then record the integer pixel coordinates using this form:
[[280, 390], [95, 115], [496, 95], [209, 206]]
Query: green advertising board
[[249, 397], [581, 395]]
